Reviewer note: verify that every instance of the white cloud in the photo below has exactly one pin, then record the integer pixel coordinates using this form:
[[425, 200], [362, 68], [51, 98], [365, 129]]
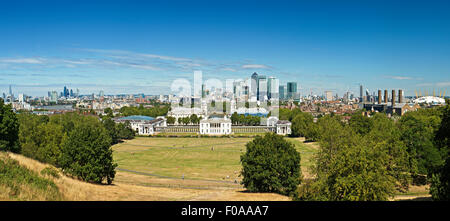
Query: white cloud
[[23, 60], [400, 77], [255, 66], [443, 84]]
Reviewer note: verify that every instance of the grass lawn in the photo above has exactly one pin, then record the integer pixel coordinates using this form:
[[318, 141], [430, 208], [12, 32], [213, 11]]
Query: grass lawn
[[192, 158]]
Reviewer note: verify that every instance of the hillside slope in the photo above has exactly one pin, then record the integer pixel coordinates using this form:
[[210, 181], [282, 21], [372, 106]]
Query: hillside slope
[[74, 190]]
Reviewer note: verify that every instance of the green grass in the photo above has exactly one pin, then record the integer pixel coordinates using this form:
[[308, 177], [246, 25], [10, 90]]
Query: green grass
[[191, 157], [20, 183]]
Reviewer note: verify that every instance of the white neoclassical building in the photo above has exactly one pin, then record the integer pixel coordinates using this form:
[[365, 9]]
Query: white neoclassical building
[[143, 125], [215, 126], [283, 127]]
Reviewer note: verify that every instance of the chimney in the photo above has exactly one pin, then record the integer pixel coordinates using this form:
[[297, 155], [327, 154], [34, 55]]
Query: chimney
[[400, 96], [393, 98], [385, 96], [379, 96]]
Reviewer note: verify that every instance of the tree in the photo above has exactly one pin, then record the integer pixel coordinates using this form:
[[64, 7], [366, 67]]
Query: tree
[[301, 124], [349, 168], [418, 131], [110, 127], [109, 112], [271, 164], [360, 124], [234, 118], [124, 130], [9, 129], [170, 120], [194, 119], [440, 181], [86, 153]]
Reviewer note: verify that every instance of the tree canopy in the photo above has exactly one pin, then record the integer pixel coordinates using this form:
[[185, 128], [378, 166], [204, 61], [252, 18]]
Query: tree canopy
[[271, 164]]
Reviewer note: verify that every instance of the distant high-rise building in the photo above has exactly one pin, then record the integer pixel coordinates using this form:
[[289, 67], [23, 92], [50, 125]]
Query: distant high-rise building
[[203, 91], [282, 92], [65, 92], [54, 96], [21, 98], [328, 95], [101, 94], [361, 98], [71, 93], [10, 90], [254, 85], [291, 90], [262, 88], [273, 88]]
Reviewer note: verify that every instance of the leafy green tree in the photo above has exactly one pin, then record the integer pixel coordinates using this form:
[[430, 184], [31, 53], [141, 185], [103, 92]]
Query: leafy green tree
[[194, 119], [301, 124], [385, 136], [418, 131], [109, 112], [124, 131], [9, 129], [234, 118], [360, 124], [170, 120], [186, 120], [86, 153], [348, 168], [271, 164], [440, 181], [111, 128]]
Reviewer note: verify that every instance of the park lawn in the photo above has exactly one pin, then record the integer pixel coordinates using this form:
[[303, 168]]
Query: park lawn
[[214, 158]]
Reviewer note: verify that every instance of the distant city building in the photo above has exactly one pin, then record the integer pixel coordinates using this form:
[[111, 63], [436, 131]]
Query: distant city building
[[262, 88], [328, 96], [291, 90], [273, 88], [254, 85], [282, 92]]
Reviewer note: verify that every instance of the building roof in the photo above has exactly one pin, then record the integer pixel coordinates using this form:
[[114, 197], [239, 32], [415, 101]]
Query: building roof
[[430, 100], [137, 117]]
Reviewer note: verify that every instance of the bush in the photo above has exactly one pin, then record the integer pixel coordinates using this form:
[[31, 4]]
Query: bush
[[49, 171], [271, 164]]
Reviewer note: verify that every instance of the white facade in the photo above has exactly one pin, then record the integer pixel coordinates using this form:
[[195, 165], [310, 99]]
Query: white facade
[[215, 126]]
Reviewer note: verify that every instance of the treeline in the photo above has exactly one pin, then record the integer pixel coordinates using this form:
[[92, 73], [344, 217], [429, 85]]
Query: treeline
[[79, 145], [370, 158], [249, 120], [193, 119], [155, 111]]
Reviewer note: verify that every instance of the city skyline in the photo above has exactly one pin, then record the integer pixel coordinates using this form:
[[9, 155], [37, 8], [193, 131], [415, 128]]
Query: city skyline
[[142, 47]]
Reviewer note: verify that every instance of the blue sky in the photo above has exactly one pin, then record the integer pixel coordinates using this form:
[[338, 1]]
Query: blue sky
[[142, 46]]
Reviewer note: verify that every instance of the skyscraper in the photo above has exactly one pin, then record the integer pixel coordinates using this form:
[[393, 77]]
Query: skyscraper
[[262, 88], [291, 90], [273, 88], [65, 91], [361, 93], [254, 85], [282, 92]]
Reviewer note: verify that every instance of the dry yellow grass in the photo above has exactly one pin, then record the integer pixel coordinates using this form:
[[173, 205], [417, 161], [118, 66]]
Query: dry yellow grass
[[75, 190]]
